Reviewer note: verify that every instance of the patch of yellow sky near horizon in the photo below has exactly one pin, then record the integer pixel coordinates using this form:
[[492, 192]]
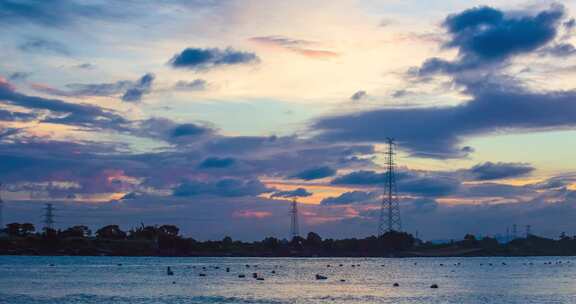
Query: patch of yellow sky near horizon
[[318, 191]]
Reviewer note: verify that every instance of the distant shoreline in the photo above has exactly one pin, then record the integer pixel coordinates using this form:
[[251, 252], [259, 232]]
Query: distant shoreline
[[165, 241]]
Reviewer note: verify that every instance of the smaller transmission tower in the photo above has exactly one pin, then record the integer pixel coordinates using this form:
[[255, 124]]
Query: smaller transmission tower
[[294, 227], [48, 217], [390, 209]]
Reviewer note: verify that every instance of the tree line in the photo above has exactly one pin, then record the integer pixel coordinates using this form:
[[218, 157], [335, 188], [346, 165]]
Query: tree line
[[166, 240]]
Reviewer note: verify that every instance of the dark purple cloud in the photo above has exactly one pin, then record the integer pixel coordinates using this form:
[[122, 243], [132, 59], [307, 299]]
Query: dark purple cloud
[[486, 36], [560, 50], [217, 162], [315, 173], [194, 85], [492, 171], [359, 95], [186, 130], [298, 192], [205, 59], [140, 88], [351, 197], [437, 132], [67, 113], [41, 45], [54, 13], [127, 90], [363, 177], [228, 187]]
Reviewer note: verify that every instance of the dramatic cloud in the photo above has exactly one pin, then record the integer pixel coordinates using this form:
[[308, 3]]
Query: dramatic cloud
[[351, 197], [194, 85], [15, 116], [187, 130], [49, 13], [68, 113], [87, 89], [360, 178], [484, 35], [35, 45], [139, 89], [205, 59], [129, 196], [429, 186], [315, 173], [217, 162], [437, 132], [229, 187], [491, 171], [359, 95], [560, 50], [299, 192], [131, 91], [169, 131]]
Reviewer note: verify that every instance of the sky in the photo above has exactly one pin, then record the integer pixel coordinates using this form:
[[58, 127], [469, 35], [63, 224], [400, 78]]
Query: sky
[[214, 115]]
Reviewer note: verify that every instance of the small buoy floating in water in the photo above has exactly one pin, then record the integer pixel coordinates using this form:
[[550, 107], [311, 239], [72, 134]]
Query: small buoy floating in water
[[396, 285], [241, 276], [434, 286], [201, 274], [321, 277], [169, 271]]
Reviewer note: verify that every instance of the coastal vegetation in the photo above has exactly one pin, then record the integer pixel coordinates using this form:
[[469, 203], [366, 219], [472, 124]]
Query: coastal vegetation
[[166, 240]]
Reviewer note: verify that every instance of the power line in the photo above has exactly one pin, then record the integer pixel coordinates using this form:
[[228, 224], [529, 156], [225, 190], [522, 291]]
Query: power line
[[294, 227], [390, 208]]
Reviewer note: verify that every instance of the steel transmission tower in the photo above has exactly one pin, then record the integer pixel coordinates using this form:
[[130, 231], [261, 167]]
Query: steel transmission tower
[[294, 227], [390, 209], [49, 217]]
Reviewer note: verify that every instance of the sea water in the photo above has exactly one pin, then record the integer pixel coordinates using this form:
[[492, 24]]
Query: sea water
[[136, 280]]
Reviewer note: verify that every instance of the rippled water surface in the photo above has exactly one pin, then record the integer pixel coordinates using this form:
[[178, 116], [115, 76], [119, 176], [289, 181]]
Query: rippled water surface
[[79, 280]]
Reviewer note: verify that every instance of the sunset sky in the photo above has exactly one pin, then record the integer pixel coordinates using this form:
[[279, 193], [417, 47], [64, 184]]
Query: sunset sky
[[212, 115]]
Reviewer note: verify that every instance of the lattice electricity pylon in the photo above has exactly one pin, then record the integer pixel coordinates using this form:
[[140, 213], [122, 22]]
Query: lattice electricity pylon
[[390, 209], [49, 217], [294, 227]]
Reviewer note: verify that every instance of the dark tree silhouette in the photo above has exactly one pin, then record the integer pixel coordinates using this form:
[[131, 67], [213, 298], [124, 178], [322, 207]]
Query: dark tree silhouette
[[110, 232]]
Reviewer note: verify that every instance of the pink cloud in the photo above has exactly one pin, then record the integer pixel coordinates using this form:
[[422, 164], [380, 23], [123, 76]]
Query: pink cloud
[[251, 214], [294, 45]]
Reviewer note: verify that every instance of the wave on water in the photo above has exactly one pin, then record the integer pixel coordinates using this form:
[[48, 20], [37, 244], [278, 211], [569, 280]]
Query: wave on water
[[99, 299]]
